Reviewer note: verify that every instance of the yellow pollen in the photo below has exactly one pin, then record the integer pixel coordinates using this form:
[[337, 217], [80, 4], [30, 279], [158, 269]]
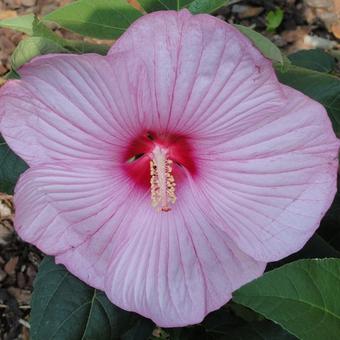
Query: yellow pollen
[[162, 181]]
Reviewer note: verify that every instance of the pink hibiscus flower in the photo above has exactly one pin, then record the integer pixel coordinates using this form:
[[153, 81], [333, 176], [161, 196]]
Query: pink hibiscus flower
[[169, 172]]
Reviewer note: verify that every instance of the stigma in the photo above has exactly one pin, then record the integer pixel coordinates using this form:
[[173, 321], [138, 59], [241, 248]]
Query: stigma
[[162, 181]]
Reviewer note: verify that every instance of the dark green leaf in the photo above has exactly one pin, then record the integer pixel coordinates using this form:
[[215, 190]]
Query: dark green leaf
[[316, 247], [11, 167], [12, 74], [224, 324], [161, 5], [300, 296], [32, 47], [64, 307], [322, 87], [21, 23], [258, 330], [220, 321], [187, 333], [336, 54], [316, 60], [206, 6], [268, 49], [141, 330], [245, 313], [274, 19], [330, 224], [153, 5], [102, 19]]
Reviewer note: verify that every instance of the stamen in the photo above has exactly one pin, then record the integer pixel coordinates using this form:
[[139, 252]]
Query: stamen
[[162, 181]]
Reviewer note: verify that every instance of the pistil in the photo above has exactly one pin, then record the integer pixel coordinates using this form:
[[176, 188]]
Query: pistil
[[162, 181]]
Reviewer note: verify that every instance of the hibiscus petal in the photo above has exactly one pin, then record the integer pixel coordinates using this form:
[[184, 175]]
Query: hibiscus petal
[[173, 268], [70, 107], [58, 207], [264, 150], [202, 72], [266, 162], [268, 187]]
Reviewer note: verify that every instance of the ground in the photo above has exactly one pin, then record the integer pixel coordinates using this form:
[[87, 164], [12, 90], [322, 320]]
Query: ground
[[306, 24]]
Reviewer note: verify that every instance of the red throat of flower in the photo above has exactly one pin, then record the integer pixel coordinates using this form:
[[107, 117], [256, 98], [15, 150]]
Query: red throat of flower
[[159, 163]]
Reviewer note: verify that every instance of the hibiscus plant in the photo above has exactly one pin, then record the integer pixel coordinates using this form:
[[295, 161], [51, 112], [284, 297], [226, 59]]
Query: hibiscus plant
[[181, 180]]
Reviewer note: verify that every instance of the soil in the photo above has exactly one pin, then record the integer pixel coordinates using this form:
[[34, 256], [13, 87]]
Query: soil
[[306, 24], [18, 268]]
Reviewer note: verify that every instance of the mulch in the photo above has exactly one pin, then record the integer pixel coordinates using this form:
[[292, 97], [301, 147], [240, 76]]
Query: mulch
[[18, 267]]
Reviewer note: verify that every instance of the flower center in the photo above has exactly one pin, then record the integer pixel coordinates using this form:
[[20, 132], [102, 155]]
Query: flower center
[[162, 181], [160, 163]]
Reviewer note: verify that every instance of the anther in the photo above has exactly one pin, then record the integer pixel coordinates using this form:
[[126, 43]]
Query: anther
[[162, 181]]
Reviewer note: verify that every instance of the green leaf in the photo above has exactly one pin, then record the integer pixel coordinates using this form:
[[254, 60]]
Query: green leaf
[[85, 47], [102, 19], [21, 23], [41, 30], [223, 324], [301, 296], [206, 6], [11, 167], [45, 41], [64, 307], [258, 330], [161, 5], [32, 47], [274, 19], [195, 6], [267, 48], [317, 60], [322, 87]]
